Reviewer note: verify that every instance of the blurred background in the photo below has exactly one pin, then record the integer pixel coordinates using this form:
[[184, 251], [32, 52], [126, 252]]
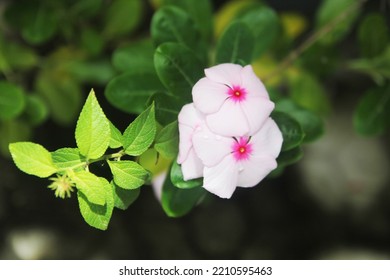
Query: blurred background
[[332, 204]]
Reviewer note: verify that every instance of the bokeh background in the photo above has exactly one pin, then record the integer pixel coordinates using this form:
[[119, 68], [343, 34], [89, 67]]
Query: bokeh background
[[332, 204]]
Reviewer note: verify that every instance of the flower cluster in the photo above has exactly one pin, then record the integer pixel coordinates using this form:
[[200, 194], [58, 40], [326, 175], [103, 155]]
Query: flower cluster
[[226, 134]]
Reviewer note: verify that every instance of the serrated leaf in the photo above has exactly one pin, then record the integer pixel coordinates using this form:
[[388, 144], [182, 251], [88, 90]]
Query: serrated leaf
[[124, 198], [65, 158], [90, 185], [291, 130], [178, 202], [128, 174], [97, 216], [93, 129], [372, 43], [236, 44], [167, 141], [12, 100], [130, 92], [32, 159], [178, 181], [178, 69], [116, 140], [139, 135], [372, 115]]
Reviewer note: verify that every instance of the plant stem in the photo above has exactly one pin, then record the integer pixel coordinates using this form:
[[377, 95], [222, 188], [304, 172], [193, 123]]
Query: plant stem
[[312, 39]]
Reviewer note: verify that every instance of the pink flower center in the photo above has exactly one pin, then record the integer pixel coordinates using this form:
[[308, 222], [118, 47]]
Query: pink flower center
[[242, 149], [237, 93]]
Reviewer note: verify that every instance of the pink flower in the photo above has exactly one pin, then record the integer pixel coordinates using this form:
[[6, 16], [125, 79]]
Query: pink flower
[[237, 161], [233, 99]]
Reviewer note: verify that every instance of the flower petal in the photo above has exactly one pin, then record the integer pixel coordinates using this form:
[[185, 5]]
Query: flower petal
[[256, 110], [185, 142], [268, 140], [221, 179], [192, 167], [190, 116], [252, 171], [252, 83], [209, 147], [226, 73], [230, 120], [158, 183], [208, 95]]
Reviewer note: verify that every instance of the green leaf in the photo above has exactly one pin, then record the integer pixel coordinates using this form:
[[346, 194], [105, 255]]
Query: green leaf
[[116, 140], [200, 12], [167, 141], [178, 202], [122, 17], [13, 131], [373, 35], [90, 185], [372, 115], [68, 158], [35, 111], [91, 40], [130, 92], [289, 157], [167, 107], [290, 128], [178, 69], [32, 159], [139, 135], [236, 44], [96, 72], [128, 174], [331, 9], [134, 57], [93, 129], [12, 100], [97, 216], [124, 198], [178, 181], [171, 24], [265, 25], [14, 56]]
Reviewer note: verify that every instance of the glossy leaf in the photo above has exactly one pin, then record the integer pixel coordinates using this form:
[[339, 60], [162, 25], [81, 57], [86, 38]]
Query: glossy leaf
[[373, 35], [97, 216], [372, 115], [32, 159], [178, 181], [116, 140], [167, 107], [289, 157], [68, 158], [291, 130], [124, 198], [92, 187], [236, 45], [130, 92], [12, 100], [167, 141], [139, 135], [93, 129], [128, 174], [178, 69]]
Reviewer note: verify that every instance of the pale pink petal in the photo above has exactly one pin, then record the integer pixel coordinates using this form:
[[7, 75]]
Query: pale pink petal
[[221, 179], [268, 140], [209, 147], [158, 183], [256, 110], [192, 167], [252, 171], [230, 120], [226, 73], [208, 95], [190, 116], [185, 142], [252, 83]]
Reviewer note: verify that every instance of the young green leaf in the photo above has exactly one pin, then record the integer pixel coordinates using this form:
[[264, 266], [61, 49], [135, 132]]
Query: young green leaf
[[236, 44], [291, 130], [178, 181], [373, 43], [97, 216], [128, 174], [167, 141], [372, 115], [90, 185], [32, 159], [124, 198], [178, 202], [178, 69], [93, 129], [116, 140], [139, 135], [130, 92], [68, 158], [12, 100]]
